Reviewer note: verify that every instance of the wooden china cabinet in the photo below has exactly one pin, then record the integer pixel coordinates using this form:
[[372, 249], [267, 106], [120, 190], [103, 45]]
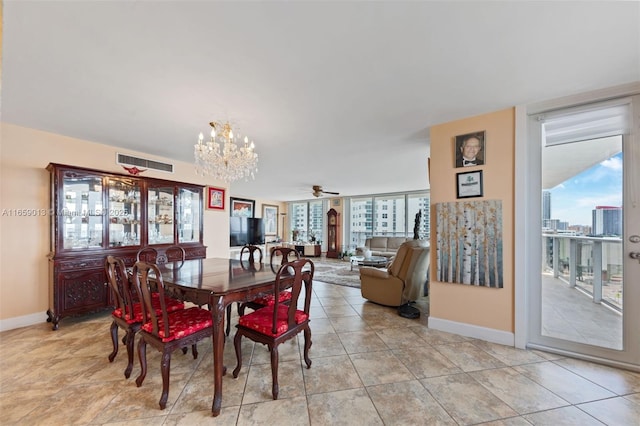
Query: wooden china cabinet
[[95, 214]]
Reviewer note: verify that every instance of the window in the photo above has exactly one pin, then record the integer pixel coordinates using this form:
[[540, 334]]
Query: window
[[307, 221], [365, 216], [418, 203], [395, 205], [361, 225], [394, 214]]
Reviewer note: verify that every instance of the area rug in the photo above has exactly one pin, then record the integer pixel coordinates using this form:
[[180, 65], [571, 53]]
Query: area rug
[[336, 271]]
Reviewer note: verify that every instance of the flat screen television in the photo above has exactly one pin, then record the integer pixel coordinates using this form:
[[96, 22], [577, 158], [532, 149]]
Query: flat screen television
[[245, 230]]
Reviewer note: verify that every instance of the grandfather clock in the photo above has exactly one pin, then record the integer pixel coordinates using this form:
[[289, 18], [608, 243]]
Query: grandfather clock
[[332, 234]]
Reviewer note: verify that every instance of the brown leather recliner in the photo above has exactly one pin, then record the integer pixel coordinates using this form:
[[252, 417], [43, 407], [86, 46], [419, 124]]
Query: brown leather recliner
[[403, 280]]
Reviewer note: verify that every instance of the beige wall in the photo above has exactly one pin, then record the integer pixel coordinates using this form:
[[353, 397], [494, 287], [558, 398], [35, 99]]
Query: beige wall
[[24, 184], [480, 306]]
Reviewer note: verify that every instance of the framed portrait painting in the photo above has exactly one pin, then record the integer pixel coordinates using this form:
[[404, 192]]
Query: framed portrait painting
[[241, 207], [215, 198], [470, 149], [270, 219]]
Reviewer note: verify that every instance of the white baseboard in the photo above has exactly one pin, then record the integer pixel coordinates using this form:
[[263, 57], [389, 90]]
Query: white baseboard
[[23, 321], [468, 330]]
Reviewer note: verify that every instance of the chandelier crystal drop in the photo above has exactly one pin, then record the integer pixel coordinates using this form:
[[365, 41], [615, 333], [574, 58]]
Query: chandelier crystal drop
[[222, 158]]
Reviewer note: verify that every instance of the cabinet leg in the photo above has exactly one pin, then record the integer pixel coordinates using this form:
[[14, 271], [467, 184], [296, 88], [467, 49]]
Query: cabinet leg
[[55, 319]]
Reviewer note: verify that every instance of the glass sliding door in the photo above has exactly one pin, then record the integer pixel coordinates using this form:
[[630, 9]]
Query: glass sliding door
[[587, 300], [390, 216], [582, 275], [360, 221]]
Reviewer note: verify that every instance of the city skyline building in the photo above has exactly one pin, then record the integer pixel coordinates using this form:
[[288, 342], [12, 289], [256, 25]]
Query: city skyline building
[[546, 205], [606, 220]]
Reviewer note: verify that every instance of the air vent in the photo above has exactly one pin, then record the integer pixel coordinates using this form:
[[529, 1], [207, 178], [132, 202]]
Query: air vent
[[143, 163]]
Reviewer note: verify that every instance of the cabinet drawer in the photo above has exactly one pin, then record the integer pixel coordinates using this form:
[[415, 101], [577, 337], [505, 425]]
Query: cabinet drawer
[[69, 265]]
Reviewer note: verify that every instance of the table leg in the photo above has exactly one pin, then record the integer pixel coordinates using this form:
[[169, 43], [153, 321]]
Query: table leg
[[218, 313], [352, 263]]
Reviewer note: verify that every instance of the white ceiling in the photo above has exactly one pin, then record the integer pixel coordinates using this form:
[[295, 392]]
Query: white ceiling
[[338, 94]]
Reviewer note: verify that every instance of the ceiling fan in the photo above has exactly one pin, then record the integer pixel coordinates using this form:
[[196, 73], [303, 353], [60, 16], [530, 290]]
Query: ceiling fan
[[319, 192]]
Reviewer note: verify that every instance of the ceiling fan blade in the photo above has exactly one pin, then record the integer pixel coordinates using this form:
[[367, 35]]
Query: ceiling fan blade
[[318, 191]]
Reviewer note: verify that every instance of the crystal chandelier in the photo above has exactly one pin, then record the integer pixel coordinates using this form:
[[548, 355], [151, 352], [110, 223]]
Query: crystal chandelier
[[222, 158]]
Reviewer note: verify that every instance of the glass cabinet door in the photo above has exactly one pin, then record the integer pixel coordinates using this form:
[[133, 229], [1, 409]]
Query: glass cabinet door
[[124, 212], [188, 214], [82, 223], [160, 215]]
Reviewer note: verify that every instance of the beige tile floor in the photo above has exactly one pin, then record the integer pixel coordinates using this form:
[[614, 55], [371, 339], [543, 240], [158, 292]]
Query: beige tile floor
[[370, 367]]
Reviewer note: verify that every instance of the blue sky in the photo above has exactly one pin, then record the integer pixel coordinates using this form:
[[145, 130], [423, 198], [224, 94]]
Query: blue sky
[[573, 200]]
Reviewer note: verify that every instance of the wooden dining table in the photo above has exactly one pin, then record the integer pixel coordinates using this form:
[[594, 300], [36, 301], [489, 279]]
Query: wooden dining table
[[217, 282]]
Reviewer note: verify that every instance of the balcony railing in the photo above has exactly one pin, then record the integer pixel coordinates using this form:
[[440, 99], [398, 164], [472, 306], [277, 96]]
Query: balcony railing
[[592, 264]]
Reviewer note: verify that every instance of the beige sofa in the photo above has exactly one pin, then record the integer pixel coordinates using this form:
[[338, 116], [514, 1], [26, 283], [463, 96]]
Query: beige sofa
[[404, 279], [382, 246]]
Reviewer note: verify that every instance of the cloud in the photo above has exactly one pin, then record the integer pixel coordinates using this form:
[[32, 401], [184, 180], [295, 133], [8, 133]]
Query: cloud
[[609, 170], [613, 163]]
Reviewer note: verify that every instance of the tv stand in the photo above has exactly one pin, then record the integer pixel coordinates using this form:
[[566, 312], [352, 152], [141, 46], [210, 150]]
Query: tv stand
[[305, 250]]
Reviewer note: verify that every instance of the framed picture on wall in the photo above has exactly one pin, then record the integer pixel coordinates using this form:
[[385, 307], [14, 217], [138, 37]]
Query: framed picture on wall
[[241, 207], [215, 198], [470, 149], [270, 219], [469, 184]]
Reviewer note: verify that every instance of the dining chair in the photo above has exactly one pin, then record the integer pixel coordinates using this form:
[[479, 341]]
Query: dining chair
[[262, 301], [161, 255], [285, 252], [285, 295], [127, 314], [249, 250], [164, 330], [147, 254], [123, 315], [277, 323]]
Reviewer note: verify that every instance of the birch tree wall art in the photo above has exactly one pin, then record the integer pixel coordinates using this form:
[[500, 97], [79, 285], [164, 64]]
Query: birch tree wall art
[[469, 243]]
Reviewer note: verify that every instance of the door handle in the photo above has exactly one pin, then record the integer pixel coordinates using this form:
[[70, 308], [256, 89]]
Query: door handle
[[635, 255]]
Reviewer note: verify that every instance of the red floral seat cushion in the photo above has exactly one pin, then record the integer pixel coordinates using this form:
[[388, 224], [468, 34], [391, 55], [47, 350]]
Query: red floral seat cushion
[[262, 320], [270, 300], [183, 323], [172, 305]]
